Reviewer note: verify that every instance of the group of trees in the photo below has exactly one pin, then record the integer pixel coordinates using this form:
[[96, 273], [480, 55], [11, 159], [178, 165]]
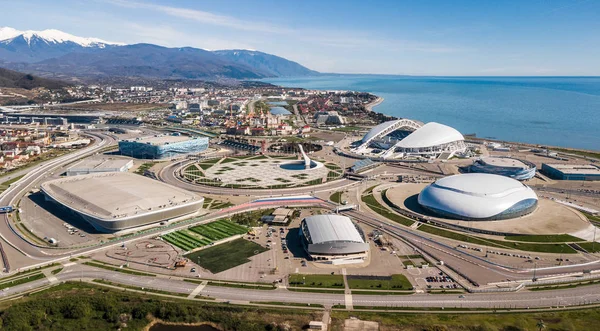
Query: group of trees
[[100, 309]]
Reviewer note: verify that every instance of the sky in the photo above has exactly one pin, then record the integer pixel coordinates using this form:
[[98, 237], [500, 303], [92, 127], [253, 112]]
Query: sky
[[406, 37]]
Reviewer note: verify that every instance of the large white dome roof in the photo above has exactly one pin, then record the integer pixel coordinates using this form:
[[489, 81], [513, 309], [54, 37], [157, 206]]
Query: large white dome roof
[[431, 134], [478, 196]]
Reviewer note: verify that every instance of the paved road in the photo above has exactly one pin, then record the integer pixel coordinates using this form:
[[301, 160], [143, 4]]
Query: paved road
[[524, 299], [15, 247], [465, 262]]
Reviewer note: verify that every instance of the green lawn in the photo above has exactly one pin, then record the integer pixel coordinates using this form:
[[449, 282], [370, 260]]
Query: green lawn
[[145, 166], [204, 166], [229, 160], [4, 186], [327, 281], [523, 246], [556, 238], [226, 256], [578, 152], [14, 281], [101, 265], [583, 319], [591, 217], [219, 230], [374, 205], [590, 247], [395, 282], [336, 197]]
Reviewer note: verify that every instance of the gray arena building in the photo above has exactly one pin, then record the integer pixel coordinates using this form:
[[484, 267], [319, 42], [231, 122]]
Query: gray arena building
[[572, 171], [333, 238], [162, 146], [118, 200], [100, 164]]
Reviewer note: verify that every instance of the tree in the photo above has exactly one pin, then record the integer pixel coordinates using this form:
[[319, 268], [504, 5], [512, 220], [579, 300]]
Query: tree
[[540, 325]]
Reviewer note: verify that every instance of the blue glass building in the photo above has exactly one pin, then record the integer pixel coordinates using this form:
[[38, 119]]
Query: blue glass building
[[162, 146]]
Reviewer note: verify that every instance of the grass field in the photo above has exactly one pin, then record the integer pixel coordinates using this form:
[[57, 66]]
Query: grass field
[[215, 204], [372, 203], [523, 246], [113, 268], [13, 281], [336, 197], [592, 218], [202, 235], [584, 319], [327, 281], [145, 166], [219, 230], [556, 238], [395, 282], [590, 247], [226, 256], [578, 152], [7, 183]]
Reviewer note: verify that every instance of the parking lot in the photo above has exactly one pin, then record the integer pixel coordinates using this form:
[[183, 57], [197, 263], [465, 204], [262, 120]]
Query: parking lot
[[47, 220]]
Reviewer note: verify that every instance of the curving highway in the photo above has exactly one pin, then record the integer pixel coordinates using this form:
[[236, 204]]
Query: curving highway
[[15, 246], [525, 300], [21, 253]]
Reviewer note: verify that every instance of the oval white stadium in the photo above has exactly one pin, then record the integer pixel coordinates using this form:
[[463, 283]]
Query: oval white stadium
[[478, 197]]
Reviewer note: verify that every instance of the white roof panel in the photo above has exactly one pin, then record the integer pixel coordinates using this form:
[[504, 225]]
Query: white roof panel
[[430, 134], [331, 228], [378, 129]]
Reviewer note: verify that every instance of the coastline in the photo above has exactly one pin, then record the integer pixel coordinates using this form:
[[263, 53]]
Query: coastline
[[375, 103], [369, 107]]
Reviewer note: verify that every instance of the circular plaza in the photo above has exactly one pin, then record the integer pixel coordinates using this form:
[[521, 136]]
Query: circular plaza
[[259, 172]]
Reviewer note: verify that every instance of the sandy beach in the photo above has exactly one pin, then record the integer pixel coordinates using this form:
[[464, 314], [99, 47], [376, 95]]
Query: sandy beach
[[377, 101]]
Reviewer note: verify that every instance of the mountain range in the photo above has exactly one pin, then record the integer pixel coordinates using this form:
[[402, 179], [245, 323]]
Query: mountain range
[[53, 53]]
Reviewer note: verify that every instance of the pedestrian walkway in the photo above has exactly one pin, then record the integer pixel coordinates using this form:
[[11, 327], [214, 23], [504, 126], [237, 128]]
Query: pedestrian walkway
[[51, 278], [197, 290], [347, 292], [326, 319]]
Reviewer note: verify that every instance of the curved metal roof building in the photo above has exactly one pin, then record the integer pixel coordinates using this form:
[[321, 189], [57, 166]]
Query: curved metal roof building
[[429, 140], [478, 197], [504, 166], [327, 237], [385, 128], [429, 135]]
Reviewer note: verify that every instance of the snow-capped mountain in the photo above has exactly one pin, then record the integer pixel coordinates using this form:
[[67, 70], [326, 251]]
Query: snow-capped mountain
[[56, 53], [52, 36], [34, 46]]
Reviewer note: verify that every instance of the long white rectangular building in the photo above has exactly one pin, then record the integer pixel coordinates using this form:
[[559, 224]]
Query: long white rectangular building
[[100, 164], [119, 200]]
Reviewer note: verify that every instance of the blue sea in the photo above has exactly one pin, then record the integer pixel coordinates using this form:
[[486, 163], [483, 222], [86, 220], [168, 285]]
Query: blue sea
[[556, 111]]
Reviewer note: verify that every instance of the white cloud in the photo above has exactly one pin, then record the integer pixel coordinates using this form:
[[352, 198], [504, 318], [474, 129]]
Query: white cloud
[[203, 17], [335, 39], [166, 35]]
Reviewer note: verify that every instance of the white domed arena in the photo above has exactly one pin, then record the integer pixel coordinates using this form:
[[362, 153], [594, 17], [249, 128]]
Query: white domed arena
[[478, 197]]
